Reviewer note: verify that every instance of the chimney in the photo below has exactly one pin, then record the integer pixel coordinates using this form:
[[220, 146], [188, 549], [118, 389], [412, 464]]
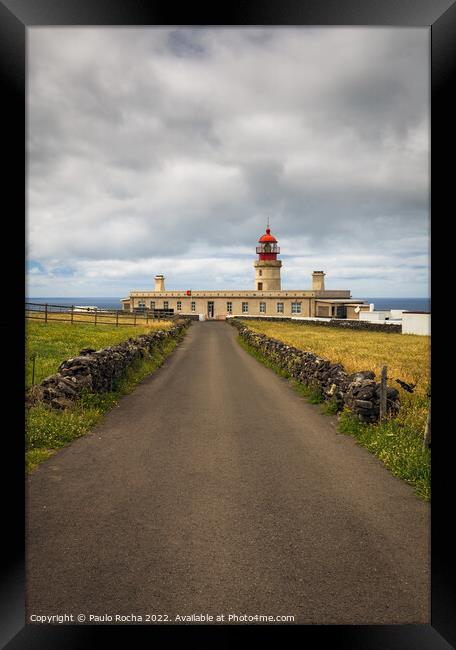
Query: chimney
[[318, 281], [159, 283]]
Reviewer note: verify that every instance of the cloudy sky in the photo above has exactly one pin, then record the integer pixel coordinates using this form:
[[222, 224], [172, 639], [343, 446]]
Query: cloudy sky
[[154, 150]]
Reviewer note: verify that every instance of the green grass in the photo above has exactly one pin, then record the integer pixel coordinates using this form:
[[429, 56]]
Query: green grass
[[330, 407], [397, 442], [397, 446], [54, 342], [49, 429]]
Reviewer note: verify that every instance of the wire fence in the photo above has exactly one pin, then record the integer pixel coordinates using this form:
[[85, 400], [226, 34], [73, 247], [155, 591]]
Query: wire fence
[[92, 315]]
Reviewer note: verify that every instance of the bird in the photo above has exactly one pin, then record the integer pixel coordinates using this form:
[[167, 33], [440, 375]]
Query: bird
[[408, 387]]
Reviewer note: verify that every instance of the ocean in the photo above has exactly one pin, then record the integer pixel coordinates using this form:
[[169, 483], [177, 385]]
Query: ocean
[[410, 304], [102, 303]]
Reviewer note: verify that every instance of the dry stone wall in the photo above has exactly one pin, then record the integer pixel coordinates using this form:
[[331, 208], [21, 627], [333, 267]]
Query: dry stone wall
[[97, 371], [393, 328], [359, 391]]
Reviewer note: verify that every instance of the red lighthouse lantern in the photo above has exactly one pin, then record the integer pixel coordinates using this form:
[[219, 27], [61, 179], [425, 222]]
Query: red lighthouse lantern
[[267, 248]]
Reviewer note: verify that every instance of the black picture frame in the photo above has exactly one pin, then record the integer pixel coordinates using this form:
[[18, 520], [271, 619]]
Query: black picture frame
[[18, 15]]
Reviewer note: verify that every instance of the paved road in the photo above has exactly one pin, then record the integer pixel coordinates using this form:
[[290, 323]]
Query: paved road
[[215, 488]]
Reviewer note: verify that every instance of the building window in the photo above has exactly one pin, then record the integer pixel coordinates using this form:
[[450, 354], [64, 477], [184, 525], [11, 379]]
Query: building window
[[152, 304], [295, 307], [262, 307], [193, 305], [280, 307], [229, 307], [165, 304], [141, 304], [245, 307], [260, 286], [179, 305], [260, 272]]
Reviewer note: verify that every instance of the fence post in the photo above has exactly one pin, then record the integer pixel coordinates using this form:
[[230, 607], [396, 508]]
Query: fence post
[[427, 430], [72, 312], [134, 322], [383, 393], [45, 313], [95, 317], [147, 317], [117, 318]]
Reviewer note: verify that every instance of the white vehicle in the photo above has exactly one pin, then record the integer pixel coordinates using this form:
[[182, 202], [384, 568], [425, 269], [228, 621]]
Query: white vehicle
[[88, 308]]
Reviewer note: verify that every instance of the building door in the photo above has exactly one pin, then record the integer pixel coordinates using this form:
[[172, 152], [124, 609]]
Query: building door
[[210, 309], [341, 311]]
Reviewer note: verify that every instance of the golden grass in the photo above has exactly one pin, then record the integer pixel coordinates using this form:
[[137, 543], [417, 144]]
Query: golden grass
[[406, 355]]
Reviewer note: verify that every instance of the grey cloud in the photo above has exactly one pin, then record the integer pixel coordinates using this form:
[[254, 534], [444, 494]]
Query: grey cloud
[[185, 43]]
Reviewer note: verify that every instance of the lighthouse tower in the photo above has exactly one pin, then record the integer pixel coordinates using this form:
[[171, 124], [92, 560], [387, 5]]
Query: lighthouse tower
[[267, 266]]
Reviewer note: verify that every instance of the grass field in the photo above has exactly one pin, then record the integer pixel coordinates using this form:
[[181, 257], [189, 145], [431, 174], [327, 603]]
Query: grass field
[[55, 341], [397, 441], [406, 355], [102, 318], [48, 429]]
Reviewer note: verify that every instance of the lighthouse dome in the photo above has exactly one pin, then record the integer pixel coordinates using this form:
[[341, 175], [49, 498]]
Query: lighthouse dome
[[267, 237]]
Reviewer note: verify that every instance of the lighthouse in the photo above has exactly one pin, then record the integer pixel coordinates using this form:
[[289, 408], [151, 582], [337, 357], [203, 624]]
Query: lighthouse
[[266, 299], [267, 266]]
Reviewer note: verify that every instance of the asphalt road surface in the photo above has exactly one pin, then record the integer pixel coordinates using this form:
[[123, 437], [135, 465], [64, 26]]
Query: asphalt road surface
[[214, 488]]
